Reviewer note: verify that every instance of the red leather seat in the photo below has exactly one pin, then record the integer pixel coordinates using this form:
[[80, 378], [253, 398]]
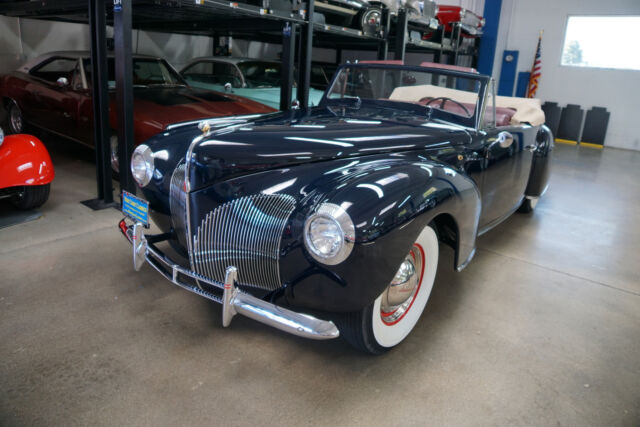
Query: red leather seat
[[503, 115]]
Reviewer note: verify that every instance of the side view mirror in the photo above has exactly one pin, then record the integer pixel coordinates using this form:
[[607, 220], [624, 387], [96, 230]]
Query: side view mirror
[[505, 139], [295, 104], [62, 82], [227, 87]]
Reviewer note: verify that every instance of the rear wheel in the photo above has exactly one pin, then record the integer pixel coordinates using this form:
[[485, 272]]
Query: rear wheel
[[392, 316], [33, 196], [16, 123], [528, 205]]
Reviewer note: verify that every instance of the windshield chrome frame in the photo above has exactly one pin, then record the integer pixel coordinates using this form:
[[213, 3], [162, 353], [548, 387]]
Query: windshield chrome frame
[[475, 121]]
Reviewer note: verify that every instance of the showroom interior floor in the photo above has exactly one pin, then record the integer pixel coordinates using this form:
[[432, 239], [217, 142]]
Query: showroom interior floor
[[542, 328]]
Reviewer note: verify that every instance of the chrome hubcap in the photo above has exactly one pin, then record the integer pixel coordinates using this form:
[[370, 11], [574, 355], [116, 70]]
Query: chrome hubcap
[[16, 119], [399, 296]]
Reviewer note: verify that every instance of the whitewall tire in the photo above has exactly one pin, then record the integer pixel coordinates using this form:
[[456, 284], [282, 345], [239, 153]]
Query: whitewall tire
[[393, 315]]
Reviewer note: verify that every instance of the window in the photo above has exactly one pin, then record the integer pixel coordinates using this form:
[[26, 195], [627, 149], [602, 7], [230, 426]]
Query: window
[[56, 68], [602, 42], [213, 73]]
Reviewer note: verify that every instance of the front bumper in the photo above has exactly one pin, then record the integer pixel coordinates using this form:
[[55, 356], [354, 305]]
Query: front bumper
[[234, 301]]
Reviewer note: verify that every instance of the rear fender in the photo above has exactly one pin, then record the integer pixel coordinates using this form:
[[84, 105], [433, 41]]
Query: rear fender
[[541, 166], [24, 160]]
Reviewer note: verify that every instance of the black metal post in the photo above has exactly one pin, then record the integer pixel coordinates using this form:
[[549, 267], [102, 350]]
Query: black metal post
[[216, 43], [383, 46], [457, 32], [401, 35], [288, 62], [100, 98], [124, 89], [305, 58]]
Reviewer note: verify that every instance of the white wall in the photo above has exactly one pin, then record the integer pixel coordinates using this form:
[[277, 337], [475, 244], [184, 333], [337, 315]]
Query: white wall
[[23, 39], [617, 90]]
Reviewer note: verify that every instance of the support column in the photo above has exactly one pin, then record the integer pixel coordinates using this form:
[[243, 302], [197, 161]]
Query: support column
[[305, 58], [100, 98], [288, 62], [401, 35], [124, 89], [383, 46]]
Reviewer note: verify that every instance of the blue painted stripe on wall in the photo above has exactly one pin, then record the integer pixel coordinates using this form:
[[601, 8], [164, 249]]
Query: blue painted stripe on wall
[[508, 72], [487, 51], [523, 82]]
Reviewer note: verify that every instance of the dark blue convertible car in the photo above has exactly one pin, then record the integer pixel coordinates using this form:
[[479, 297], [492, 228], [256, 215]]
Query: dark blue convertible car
[[326, 222]]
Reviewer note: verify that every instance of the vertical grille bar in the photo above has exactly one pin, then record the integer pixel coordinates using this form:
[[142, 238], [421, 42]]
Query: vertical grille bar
[[177, 204], [245, 233]]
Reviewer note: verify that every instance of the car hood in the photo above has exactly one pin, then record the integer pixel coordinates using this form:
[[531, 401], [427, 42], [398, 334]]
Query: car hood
[[288, 139], [157, 107]]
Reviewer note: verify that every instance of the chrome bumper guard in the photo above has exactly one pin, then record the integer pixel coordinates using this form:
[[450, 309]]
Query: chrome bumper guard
[[234, 300]]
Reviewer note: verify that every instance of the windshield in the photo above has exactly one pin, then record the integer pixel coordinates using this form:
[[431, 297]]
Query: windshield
[[430, 88], [147, 72], [261, 74]]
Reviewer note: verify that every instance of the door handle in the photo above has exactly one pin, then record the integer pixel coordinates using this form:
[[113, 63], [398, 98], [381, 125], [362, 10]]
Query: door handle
[[66, 115]]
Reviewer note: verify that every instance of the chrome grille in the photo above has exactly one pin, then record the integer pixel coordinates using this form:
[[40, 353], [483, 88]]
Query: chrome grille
[[177, 204], [245, 233]]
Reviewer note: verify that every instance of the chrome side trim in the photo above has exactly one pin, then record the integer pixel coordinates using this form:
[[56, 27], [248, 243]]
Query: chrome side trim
[[235, 301], [467, 261]]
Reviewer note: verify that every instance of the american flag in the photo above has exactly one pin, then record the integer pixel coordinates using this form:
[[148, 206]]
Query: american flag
[[536, 71]]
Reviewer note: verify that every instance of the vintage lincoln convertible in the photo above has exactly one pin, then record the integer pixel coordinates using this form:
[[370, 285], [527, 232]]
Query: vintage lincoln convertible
[[326, 221]]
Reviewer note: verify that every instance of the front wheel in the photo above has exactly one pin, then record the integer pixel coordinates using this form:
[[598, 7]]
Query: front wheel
[[393, 315], [16, 123], [33, 196]]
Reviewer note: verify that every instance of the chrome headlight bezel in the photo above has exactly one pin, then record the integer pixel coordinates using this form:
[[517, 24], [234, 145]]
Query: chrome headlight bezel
[[1, 136], [344, 227], [142, 155]]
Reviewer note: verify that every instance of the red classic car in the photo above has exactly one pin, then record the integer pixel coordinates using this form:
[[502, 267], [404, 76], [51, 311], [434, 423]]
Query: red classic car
[[470, 23], [26, 170], [53, 92]]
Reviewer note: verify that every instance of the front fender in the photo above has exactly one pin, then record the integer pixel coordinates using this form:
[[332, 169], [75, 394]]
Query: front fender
[[390, 204], [24, 160], [389, 199]]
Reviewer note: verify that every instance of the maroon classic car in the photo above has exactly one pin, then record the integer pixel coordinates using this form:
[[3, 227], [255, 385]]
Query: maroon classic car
[[53, 92]]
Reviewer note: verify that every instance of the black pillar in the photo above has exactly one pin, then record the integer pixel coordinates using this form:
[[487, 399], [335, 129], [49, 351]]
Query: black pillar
[[288, 62], [383, 46], [305, 58], [401, 35], [100, 98], [124, 89]]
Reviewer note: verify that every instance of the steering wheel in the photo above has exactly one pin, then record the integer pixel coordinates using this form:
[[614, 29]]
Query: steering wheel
[[444, 99]]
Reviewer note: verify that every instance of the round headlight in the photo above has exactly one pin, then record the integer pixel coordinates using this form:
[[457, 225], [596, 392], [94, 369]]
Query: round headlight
[[329, 234], [1, 136], [142, 165]]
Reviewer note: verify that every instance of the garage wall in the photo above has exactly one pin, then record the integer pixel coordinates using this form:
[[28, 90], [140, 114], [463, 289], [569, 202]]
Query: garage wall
[[617, 90], [23, 39]]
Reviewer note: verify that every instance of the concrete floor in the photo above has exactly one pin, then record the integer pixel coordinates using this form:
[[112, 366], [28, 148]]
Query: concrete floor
[[542, 328]]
